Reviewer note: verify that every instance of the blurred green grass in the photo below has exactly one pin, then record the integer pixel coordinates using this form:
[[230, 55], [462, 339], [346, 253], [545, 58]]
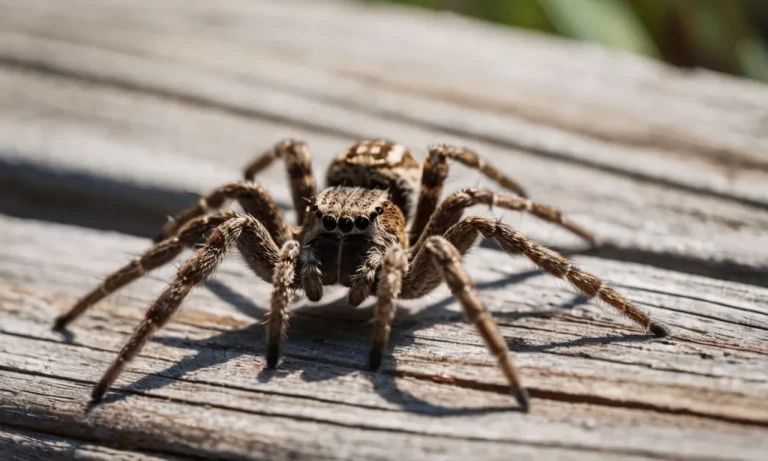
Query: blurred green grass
[[724, 35]]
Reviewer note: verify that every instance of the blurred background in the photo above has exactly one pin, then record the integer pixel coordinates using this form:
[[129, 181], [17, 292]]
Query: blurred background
[[729, 36]]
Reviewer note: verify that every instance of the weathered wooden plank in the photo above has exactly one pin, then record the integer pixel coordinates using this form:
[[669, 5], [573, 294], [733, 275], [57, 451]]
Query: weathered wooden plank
[[594, 382], [23, 445], [232, 433], [704, 133], [113, 114]]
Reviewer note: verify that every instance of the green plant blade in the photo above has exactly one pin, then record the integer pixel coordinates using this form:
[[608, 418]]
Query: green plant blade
[[610, 22]]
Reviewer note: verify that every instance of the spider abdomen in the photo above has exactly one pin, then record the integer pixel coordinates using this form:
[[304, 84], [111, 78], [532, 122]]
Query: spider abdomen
[[381, 165]]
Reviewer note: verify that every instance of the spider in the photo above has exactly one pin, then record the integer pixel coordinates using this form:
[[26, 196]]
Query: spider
[[352, 233]]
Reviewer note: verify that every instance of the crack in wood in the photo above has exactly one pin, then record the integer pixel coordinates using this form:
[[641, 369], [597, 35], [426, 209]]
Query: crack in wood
[[399, 373], [76, 446], [579, 398], [30, 424]]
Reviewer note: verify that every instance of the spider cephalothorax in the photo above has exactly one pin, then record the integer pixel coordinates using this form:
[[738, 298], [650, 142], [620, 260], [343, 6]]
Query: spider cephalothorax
[[353, 233], [343, 226]]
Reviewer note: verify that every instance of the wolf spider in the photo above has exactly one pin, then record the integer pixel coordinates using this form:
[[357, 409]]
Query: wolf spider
[[352, 233]]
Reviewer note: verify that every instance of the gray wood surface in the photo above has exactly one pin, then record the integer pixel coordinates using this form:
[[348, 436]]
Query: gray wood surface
[[22, 445], [114, 114]]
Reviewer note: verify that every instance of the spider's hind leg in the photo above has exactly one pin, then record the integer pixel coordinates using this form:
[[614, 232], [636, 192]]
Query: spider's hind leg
[[452, 208], [298, 165], [254, 199], [464, 234], [514, 242], [435, 173], [446, 259]]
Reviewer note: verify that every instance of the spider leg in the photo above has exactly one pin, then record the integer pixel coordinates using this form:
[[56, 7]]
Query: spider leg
[[254, 199], [160, 254], [298, 165], [394, 265], [435, 172], [452, 208], [244, 230], [282, 292], [465, 233], [446, 258]]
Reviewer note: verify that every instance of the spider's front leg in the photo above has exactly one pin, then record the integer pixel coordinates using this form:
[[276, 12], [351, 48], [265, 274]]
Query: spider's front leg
[[446, 251], [446, 259], [256, 246], [433, 177], [394, 265], [282, 292]]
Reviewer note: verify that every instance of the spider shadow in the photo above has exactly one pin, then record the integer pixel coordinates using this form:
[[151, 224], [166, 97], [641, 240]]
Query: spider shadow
[[210, 352], [602, 340], [324, 336], [241, 303], [340, 331], [67, 337]]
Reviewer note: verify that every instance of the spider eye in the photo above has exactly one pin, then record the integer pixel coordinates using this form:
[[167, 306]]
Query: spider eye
[[379, 210], [361, 222], [345, 225], [329, 222], [318, 213]]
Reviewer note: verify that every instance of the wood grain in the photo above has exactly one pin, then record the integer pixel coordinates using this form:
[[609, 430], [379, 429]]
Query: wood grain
[[115, 114], [586, 368], [22, 445]]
